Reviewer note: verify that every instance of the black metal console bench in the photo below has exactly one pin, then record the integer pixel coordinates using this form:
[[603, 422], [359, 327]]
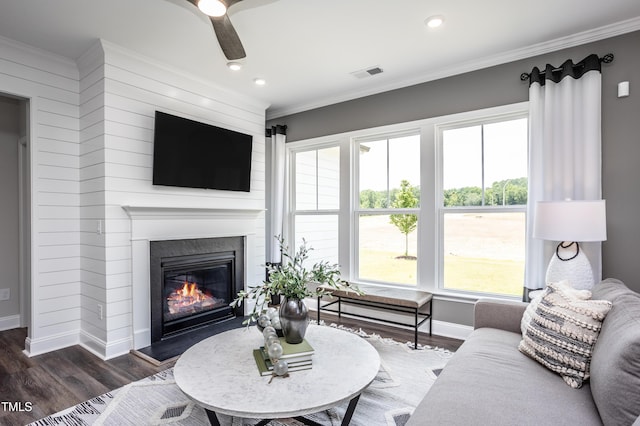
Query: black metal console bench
[[414, 302]]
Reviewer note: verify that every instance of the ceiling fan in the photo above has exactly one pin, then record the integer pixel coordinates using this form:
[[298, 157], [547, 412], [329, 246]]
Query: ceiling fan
[[226, 34]]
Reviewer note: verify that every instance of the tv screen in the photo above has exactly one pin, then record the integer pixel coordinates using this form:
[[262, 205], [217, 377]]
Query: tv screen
[[191, 154]]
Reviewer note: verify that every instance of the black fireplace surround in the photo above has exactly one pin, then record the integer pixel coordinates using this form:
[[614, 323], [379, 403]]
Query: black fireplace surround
[[192, 283]]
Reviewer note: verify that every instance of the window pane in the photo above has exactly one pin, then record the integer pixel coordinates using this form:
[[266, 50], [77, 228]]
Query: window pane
[[505, 159], [306, 180], [385, 167], [318, 179], [462, 166], [404, 165], [373, 175], [321, 234], [386, 253], [484, 252], [329, 178]]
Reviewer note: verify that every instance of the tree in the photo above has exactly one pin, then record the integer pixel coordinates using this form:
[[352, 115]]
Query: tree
[[406, 223]]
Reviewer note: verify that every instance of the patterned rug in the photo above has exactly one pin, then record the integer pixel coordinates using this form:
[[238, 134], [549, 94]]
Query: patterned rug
[[404, 378]]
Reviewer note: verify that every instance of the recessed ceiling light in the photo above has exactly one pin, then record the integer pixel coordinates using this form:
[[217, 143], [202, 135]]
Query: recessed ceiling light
[[260, 81], [434, 21], [213, 8], [234, 66]]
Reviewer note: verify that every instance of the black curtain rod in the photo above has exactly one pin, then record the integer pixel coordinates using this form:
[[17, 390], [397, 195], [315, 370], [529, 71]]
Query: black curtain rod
[[607, 59]]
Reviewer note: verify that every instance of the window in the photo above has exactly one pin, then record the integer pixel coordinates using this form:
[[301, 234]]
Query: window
[[387, 208], [438, 204], [316, 198], [482, 206]]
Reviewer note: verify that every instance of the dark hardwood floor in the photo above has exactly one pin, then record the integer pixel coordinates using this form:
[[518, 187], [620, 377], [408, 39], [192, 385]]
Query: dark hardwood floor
[[54, 381]]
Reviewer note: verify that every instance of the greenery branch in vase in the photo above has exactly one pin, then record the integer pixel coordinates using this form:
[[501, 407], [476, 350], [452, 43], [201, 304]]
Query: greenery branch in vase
[[294, 281]]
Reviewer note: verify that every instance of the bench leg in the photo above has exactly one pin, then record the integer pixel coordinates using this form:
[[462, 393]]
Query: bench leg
[[430, 317], [319, 297], [415, 330]]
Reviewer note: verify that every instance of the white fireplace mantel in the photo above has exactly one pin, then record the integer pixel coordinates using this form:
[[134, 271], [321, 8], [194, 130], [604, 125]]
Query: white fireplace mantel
[[151, 212], [153, 223]]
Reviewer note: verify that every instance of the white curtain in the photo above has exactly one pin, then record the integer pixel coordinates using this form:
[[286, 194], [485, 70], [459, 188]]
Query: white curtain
[[276, 136], [564, 151]]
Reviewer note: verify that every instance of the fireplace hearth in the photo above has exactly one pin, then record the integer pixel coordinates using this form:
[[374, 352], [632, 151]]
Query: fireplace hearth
[[193, 282]]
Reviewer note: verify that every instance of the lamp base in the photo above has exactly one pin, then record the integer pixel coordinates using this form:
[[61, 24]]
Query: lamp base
[[577, 270]]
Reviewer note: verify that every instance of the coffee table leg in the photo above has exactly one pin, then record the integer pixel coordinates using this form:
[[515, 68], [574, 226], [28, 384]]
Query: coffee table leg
[[350, 409], [213, 418]]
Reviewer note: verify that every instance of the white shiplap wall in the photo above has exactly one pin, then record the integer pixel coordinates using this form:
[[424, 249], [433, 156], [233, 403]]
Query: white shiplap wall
[[92, 199], [91, 147], [133, 89], [50, 83]]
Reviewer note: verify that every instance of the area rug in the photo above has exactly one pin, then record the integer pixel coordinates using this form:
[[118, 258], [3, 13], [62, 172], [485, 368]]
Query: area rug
[[405, 376]]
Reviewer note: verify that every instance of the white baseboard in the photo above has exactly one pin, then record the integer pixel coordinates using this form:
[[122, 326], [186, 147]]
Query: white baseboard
[[141, 338], [10, 322], [102, 349], [450, 329], [43, 345]]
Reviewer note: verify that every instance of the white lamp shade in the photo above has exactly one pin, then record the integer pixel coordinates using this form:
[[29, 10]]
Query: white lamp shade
[[578, 221]]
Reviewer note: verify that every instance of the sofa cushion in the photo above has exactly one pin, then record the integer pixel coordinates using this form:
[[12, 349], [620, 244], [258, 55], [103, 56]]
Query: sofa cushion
[[563, 332], [615, 367], [489, 382], [529, 313]]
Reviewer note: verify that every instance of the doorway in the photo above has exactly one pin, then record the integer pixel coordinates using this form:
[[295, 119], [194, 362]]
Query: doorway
[[15, 213]]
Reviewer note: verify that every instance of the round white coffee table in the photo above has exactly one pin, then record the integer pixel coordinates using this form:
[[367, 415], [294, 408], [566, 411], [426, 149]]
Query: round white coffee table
[[220, 374]]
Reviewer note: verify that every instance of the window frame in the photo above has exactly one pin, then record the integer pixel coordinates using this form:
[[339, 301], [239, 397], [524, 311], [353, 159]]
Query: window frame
[[441, 210], [293, 213], [429, 219], [357, 211]]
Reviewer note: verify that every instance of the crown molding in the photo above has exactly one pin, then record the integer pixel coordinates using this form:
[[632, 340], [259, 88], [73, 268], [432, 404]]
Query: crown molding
[[573, 40], [23, 53]]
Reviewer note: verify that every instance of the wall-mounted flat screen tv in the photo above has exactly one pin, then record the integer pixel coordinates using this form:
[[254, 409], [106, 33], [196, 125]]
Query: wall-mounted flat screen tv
[[191, 154]]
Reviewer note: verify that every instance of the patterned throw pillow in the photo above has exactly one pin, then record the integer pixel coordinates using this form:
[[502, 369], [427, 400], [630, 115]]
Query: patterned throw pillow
[[563, 331], [565, 287]]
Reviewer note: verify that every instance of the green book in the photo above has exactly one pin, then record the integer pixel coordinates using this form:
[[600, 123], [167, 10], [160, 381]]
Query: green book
[[265, 367], [260, 362], [299, 351], [290, 350]]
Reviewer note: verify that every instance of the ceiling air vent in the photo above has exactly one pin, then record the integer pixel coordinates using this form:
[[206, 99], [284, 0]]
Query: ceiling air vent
[[367, 72]]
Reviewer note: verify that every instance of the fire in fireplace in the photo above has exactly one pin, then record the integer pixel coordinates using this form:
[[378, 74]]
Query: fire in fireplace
[[188, 300], [192, 283]]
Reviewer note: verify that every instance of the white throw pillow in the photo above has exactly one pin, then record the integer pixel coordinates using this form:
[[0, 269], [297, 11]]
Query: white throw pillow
[[563, 330]]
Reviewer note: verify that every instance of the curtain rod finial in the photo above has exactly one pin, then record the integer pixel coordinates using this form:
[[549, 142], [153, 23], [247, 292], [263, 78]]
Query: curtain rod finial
[[524, 76], [608, 58]]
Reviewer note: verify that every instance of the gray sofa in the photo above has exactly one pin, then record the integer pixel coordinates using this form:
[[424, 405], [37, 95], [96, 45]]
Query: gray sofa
[[489, 382]]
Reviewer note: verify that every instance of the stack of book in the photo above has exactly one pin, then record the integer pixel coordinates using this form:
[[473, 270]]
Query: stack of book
[[298, 356]]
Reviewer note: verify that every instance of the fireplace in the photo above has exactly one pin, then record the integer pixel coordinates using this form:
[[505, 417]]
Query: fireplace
[[192, 283]]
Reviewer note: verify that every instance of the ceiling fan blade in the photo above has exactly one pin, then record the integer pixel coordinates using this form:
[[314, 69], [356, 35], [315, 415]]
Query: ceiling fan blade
[[228, 38], [230, 3]]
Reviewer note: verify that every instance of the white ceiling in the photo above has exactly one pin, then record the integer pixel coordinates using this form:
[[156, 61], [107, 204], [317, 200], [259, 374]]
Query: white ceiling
[[307, 49]]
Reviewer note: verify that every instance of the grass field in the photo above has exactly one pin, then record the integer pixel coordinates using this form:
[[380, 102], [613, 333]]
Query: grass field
[[483, 253]]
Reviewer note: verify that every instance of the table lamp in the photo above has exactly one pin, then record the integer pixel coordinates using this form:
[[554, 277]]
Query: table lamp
[[570, 223]]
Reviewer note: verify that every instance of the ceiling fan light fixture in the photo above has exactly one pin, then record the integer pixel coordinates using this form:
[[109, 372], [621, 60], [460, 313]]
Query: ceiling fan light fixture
[[234, 66], [213, 8], [434, 21]]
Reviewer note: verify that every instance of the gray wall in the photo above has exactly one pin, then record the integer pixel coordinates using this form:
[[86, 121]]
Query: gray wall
[[9, 243], [501, 85]]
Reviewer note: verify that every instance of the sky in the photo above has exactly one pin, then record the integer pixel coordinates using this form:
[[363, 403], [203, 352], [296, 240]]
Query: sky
[[505, 157]]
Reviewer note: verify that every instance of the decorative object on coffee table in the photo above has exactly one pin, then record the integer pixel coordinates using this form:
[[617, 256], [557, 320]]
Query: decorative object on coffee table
[[294, 318], [293, 280], [271, 317]]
